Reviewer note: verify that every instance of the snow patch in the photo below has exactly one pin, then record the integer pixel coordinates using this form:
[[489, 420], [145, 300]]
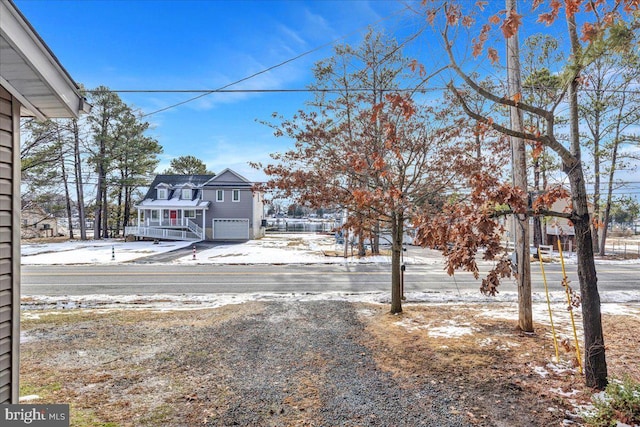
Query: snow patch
[[563, 393], [24, 338], [450, 331], [561, 368], [541, 371]]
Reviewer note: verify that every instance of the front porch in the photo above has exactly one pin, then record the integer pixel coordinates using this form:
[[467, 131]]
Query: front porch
[[170, 224]]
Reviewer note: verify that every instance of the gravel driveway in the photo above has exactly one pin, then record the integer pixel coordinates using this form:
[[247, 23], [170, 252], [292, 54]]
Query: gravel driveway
[[307, 363], [296, 363], [285, 363]]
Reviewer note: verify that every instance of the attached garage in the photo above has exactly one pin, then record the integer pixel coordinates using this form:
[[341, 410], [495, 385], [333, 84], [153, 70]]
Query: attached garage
[[231, 229]]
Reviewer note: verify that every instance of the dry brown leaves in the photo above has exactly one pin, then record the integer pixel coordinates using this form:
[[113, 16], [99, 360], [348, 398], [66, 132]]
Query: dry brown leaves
[[496, 368]]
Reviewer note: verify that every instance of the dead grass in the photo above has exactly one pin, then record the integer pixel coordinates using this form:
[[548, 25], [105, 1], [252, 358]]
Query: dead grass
[[143, 367], [296, 242], [494, 358], [354, 253]]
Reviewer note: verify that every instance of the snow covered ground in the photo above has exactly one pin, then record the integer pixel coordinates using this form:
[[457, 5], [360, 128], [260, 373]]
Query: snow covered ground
[[273, 249], [92, 251]]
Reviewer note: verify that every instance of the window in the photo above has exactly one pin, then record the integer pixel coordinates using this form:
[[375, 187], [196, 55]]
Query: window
[[162, 194], [154, 215], [186, 194], [191, 213], [236, 195], [219, 195]]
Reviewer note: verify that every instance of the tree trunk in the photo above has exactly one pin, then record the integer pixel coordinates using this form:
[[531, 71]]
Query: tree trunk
[[127, 206], [538, 238], [537, 220], [65, 179], [519, 165], [67, 195], [105, 213], [120, 204], [397, 224], [79, 179], [537, 233], [101, 191], [375, 246], [607, 208], [362, 251], [595, 360], [100, 225], [605, 221], [595, 363], [596, 170], [612, 171], [596, 209], [97, 217]]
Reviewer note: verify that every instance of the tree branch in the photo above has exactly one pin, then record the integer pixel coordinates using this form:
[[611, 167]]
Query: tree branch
[[533, 212], [545, 139], [485, 93]]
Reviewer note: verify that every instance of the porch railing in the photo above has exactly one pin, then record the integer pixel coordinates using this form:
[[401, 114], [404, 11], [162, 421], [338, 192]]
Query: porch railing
[[195, 228], [162, 233], [167, 222]]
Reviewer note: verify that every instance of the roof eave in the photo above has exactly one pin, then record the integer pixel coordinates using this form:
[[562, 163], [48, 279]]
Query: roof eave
[[25, 56]]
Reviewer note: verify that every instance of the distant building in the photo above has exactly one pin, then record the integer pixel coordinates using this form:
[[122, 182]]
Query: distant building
[[561, 228], [36, 222], [200, 207]]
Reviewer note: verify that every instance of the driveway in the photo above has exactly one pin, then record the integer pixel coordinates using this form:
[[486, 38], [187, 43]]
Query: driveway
[[175, 254]]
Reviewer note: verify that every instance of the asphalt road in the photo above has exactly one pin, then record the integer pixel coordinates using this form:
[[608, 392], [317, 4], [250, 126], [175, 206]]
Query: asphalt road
[[124, 279]]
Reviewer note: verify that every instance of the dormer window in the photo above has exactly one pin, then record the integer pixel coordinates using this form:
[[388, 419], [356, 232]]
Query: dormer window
[[162, 194], [186, 194]]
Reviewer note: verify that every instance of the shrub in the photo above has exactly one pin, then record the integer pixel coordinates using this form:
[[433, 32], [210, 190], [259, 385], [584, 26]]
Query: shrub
[[620, 403]]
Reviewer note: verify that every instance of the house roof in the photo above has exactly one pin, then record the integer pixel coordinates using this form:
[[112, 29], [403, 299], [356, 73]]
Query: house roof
[[225, 179], [32, 73], [174, 203], [176, 181], [228, 178]]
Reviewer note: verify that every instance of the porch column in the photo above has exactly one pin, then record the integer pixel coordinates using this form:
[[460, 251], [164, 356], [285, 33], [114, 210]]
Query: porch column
[[204, 224]]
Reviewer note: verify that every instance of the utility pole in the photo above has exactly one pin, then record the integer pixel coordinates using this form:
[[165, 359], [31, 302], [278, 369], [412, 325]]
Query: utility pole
[[519, 176]]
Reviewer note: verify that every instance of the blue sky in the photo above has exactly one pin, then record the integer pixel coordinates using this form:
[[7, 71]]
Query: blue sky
[[207, 44], [180, 45]]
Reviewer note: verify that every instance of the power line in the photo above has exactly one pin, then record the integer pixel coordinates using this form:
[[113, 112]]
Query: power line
[[309, 90], [205, 93], [324, 90]]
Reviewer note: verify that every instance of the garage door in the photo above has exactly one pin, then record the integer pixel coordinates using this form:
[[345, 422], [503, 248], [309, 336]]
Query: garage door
[[230, 229]]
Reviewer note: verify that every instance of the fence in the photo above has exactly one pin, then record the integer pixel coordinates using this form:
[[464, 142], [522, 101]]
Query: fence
[[287, 225], [623, 248]]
